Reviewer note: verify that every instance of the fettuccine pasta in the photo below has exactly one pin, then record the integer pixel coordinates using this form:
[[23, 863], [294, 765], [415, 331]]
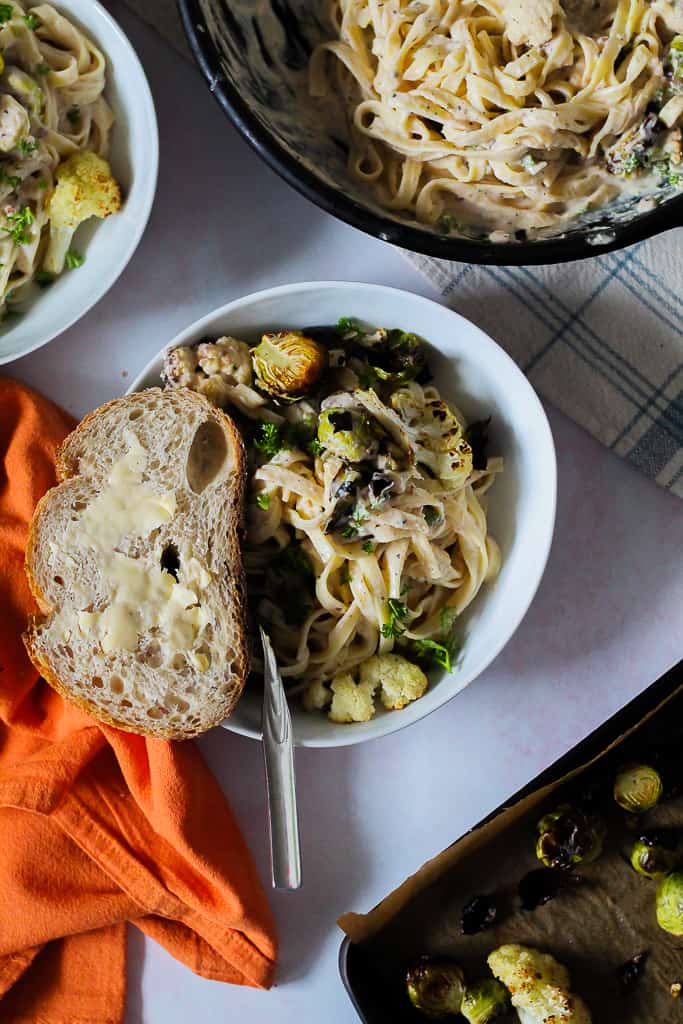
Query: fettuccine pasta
[[507, 115], [51, 109], [367, 530]]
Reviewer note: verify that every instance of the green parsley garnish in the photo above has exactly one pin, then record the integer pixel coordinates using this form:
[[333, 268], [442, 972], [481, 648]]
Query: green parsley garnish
[[42, 184], [73, 115], [315, 447], [432, 652], [27, 146], [6, 13], [444, 224], [32, 21], [396, 612], [44, 278], [269, 440], [368, 547], [346, 324], [42, 69], [441, 652], [367, 378], [13, 180], [448, 617], [20, 222], [667, 174], [356, 520], [263, 500], [74, 260]]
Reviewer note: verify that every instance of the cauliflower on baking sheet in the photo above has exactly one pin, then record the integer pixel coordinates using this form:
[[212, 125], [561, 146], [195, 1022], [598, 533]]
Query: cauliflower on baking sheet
[[85, 188], [538, 986]]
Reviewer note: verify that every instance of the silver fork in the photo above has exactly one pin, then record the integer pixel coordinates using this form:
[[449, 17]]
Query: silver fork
[[278, 754]]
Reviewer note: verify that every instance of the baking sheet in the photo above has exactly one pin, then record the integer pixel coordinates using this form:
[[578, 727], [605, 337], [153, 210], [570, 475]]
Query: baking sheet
[[593, 928]]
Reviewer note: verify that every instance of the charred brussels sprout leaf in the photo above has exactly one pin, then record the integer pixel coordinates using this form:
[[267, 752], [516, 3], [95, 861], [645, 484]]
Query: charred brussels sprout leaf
[[288, 365], [390, 355], [569, 836], [655, 854], [542, 885], [669, 903], [477, 436], [480, 913], [405, 359], [436, 987], [638, 788], [484, 1001]]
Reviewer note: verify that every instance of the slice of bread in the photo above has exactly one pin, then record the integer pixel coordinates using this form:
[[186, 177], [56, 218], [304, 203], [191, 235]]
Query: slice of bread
[[134, 560]]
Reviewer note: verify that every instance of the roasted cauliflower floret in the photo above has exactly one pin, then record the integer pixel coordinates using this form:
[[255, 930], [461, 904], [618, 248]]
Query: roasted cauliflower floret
[[316, 697], [85, 188], [398, 680], [351, 701], [538, 986], [227, 356], [436, 434], [14, 123], [220, 370]]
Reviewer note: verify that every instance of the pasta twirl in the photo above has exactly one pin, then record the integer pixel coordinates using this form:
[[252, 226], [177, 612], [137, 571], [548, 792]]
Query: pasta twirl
[[507, 115]]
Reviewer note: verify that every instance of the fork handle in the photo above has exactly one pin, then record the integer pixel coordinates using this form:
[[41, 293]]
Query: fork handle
[[285, 851]]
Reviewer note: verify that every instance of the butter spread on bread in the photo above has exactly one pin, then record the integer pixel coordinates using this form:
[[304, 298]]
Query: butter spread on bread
[[134, 560]]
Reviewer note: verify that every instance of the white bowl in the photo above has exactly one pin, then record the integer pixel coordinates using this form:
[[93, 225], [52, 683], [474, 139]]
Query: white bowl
[[107, 245], [480, 378]]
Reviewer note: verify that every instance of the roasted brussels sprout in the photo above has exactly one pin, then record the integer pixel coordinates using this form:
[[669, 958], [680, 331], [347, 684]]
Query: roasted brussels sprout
[[569, 836], [669, 903], [402, 358], [287, 365], [390, 355], [655, 854], [638, 788], [346, 433], [436, 987], [484, 1001]]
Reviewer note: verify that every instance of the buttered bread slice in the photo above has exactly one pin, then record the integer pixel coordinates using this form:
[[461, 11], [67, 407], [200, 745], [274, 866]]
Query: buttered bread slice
[[134, 560]]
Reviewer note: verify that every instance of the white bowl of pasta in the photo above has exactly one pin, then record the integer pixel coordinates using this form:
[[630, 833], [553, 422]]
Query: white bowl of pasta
[[387, 539], [78, 142]]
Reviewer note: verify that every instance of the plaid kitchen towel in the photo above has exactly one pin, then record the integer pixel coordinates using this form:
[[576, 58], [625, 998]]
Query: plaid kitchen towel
[[601, 339]]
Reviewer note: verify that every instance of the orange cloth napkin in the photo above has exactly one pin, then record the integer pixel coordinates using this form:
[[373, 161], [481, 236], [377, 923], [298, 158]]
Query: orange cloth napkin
[[99, 827]]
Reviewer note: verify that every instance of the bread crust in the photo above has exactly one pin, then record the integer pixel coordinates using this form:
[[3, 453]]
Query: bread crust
[[67, 469]]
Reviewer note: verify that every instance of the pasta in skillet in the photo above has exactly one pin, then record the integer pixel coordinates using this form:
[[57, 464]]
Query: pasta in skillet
[[507, 115], [54, 126], [367, 531]]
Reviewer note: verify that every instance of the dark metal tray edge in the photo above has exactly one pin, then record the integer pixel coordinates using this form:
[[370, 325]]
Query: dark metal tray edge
[[350, 956]]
